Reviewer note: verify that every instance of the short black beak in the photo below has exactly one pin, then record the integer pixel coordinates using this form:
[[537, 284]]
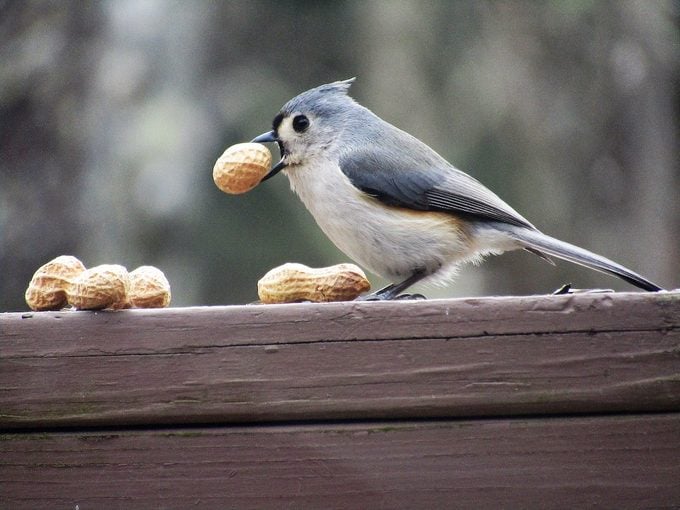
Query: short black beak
[[270, 136]]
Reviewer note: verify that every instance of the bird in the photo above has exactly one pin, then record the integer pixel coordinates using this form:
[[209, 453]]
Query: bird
[[393, 204]]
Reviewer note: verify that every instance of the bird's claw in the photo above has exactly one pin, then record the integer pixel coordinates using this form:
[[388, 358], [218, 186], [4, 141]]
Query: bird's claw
[[409, 297], [377, 296], [568, 289]]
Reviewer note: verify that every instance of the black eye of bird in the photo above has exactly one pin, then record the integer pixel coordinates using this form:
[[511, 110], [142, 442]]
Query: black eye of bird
[[300, 123]]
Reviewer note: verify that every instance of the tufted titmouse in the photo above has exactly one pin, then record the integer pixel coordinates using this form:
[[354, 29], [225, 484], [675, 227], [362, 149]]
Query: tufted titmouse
[[392, 203]]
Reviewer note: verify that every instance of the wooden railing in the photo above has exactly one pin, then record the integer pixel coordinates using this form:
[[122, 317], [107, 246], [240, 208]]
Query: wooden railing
[[534, 402]]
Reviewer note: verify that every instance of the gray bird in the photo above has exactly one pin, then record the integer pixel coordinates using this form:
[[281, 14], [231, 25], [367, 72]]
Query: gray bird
[[395, 206]]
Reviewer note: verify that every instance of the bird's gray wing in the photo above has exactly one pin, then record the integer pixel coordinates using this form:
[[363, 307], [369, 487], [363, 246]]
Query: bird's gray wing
[[426, 183]]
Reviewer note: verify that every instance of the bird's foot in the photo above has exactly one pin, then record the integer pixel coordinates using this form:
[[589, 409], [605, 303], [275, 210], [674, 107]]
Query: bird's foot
[[388, 294], [393, 291], [564, 289], [568, 289], [410, 297], [374, 296]]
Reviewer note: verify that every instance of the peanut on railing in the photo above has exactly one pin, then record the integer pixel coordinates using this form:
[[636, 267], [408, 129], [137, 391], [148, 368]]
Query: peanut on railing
[[47, 289], [292, 282], [65, 281], [99, 287], [149, 288]]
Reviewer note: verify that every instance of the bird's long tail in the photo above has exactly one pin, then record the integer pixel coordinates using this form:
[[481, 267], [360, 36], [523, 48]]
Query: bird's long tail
[[535, 240]]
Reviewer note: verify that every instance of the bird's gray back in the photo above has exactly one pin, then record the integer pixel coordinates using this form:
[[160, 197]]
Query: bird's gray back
[[400, 170]]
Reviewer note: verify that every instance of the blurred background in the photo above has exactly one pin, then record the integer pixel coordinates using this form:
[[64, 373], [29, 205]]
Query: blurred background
[[113, 113]]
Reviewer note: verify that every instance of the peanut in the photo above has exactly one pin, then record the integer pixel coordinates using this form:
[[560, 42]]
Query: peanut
[[296, 282], [48, 287], [241, 167], [149, 288], [104, 286]]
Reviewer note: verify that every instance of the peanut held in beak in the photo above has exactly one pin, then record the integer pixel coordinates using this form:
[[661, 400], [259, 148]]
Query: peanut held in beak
[[296, 282], [241, 167]]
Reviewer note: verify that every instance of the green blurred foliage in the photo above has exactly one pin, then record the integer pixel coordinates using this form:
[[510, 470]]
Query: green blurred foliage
[[113, 114]]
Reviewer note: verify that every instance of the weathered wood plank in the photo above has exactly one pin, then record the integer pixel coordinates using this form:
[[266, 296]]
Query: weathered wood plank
[[387, 379], [176, 329], [613, 462], [336, 369]]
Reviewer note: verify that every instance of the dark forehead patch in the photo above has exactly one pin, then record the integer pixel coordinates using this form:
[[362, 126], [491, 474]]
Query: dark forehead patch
[[277, 121]]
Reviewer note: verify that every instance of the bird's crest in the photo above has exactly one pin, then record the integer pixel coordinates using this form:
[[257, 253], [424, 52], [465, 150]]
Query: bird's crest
[[321, 99], [337, 86]]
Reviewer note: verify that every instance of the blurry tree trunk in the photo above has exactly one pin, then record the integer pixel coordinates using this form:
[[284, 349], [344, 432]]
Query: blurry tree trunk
[[46, 50]]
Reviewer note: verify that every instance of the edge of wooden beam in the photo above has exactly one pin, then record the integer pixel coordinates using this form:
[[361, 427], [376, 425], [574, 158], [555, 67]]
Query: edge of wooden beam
[[444, 358]]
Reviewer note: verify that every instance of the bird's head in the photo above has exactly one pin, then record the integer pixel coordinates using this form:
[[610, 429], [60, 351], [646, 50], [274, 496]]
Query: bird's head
[[310, 124]]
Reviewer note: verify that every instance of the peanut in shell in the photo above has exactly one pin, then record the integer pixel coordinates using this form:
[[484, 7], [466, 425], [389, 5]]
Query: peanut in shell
[[293, 282], [50, 283], [104, 286], [149, 288], [241, 167]]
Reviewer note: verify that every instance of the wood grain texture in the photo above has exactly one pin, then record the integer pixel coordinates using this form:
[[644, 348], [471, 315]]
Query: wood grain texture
[[445, 358], [613, 462], [139, 331]]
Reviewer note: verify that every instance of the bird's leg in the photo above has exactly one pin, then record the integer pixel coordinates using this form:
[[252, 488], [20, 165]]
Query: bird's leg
[[568, 289], [393, 291], [564, 289]]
